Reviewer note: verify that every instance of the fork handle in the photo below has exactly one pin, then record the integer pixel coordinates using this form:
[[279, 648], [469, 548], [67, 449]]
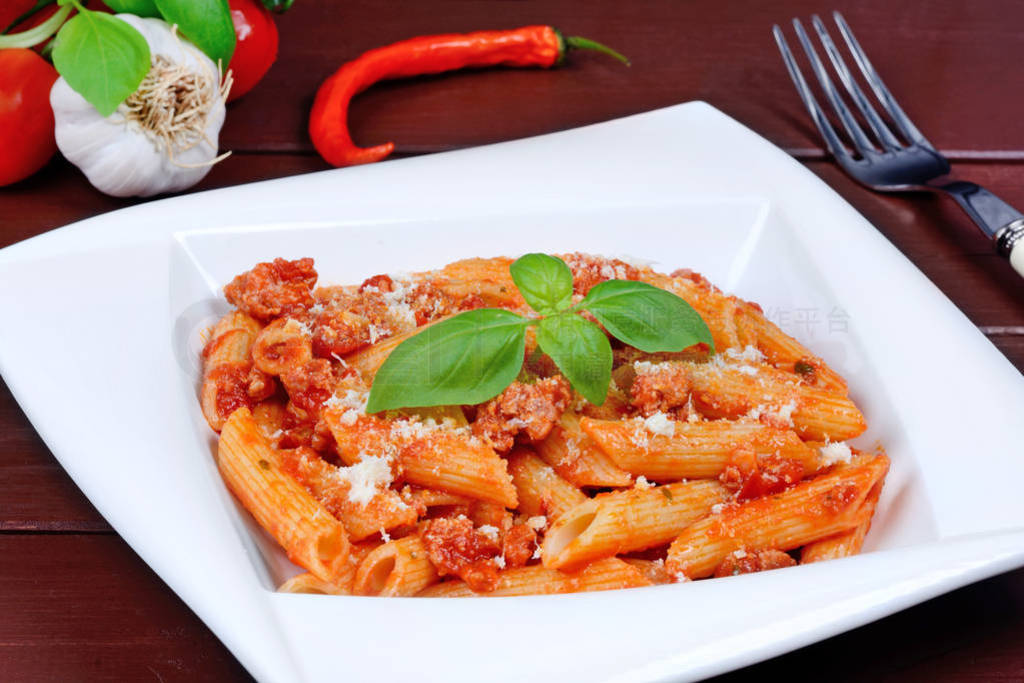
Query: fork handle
[[997, 219], [1010, 243]]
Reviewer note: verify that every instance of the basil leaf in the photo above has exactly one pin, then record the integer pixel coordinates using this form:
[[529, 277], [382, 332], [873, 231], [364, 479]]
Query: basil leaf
[[207, 23], [646, 317], [544, 281], [466, 359], [140, 8], [102, 58], [581, 351]]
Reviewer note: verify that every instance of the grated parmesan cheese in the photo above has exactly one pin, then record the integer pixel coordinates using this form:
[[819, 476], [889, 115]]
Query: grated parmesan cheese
[[749, 354], [642, 366], [371, 474], [377, 332], [500, 561], [352, 405], [397, 301], [384, 536], [659, 423], [717, 508], [537, 522], [642, 483], [833, 453], [489, 531], [783, 413]]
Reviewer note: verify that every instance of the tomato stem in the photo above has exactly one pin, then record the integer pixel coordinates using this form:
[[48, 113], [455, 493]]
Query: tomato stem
[[580, 43], [40, 4], [38, 34]]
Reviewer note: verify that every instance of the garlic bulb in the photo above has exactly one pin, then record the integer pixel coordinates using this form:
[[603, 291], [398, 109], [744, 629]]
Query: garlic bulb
[[163, 138]]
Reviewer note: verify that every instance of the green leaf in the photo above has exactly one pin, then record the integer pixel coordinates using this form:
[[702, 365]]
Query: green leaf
[[278, 5], [466, 359], [581, 351], [646, 317], [102, 58], [207, 23], [544, 281], [140, 8]]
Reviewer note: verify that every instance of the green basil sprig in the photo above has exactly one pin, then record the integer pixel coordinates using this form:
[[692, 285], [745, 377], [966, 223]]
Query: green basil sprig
[[475, 355], [101, 57]]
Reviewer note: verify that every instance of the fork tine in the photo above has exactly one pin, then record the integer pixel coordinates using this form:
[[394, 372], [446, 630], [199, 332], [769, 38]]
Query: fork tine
[[860, 140], [881, 130], [902, 121], [832, 141]]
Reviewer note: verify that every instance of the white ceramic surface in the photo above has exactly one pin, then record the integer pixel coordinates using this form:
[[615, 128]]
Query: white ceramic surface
[[101, 330]]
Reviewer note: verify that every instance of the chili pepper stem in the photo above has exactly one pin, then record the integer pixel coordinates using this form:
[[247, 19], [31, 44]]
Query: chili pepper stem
[[580, 43]]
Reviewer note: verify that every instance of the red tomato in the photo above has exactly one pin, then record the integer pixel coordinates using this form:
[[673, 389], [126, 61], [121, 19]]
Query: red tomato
[[26, 119], [256, 48]]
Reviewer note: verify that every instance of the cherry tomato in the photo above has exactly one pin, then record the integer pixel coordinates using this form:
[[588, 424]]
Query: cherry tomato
[[256, 48], [26, 119]]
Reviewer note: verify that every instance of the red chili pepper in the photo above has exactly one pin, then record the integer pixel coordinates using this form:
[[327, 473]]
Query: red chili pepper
[[541, 46], [255, 47], [26, 119]]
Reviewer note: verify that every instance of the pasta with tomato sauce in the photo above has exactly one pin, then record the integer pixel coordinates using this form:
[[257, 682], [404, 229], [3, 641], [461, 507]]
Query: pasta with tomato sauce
[[698, 463]]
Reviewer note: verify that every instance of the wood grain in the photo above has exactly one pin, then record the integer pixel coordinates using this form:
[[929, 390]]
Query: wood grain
[[77, 604], [948, 62], [86, 608]]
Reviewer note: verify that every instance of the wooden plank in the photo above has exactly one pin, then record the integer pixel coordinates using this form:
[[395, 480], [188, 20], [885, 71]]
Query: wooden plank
[[87, 608], [37, 493], [950, 63], [972, 634]]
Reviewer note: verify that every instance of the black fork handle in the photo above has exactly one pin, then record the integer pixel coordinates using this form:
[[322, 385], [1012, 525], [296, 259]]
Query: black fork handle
[[997, 219]]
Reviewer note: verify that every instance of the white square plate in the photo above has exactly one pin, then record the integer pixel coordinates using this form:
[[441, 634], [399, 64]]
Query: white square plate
[[100, 335]]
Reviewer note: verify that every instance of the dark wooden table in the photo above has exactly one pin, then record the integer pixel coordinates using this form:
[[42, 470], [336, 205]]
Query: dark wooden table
[[77, 604]]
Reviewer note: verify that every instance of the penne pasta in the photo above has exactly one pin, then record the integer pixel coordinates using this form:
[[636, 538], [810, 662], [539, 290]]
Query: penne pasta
[[808, 512], [397, 568], [721, 390], [539, 488], [785, 352], [699, 462], [228, 380], [487, 278], [610, 574], [575, 456], [626, 521], [311, 584], [433, 456], [307, 531], [692, 450], [357, 495], [846, 543], [654, 570], [282, 345]]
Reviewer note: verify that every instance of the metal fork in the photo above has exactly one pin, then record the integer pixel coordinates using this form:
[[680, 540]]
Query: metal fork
[[887, 163]]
